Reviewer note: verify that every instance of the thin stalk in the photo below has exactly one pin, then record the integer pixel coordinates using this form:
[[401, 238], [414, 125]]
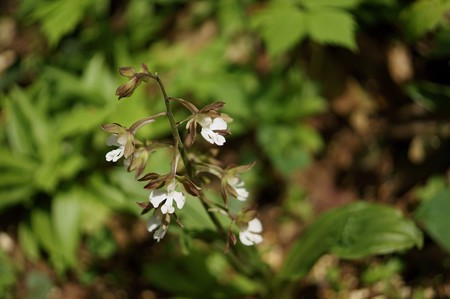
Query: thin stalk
[[183, 154]]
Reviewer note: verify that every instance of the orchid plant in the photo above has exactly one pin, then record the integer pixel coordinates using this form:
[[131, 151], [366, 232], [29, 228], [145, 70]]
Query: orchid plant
[[167, 191]]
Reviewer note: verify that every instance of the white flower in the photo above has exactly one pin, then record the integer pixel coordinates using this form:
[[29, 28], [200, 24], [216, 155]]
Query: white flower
[[209, 126], [251, 235], [238, 185], [116, 154], [169, 195], [155, 224]]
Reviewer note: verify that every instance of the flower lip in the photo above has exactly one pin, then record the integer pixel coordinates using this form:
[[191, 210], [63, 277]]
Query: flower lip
[[251, 234], [237, 184], [168, 196], [211, 129]]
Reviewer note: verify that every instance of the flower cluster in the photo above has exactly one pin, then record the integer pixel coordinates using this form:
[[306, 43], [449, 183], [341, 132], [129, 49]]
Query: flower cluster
[[167, 191]]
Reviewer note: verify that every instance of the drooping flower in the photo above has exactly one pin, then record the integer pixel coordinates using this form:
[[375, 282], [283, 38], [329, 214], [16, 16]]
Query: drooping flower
[[168, 196], [214, 124], [231, 183], [158, 224], [238, 186], [116, 154], [211, 129], [251, 233], [122, 138]]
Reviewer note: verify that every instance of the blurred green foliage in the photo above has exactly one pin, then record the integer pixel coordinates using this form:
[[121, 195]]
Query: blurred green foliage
[[59, 195]]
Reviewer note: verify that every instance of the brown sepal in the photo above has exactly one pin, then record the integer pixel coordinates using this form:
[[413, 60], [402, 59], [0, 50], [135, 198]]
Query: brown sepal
[[191, 188], [149, 176], [213, 106], [146, 207]]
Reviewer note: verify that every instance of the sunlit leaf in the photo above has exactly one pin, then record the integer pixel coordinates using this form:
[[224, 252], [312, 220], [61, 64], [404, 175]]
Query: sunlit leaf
[[281, 26], [332, 26], [423, 16], [60, 17]]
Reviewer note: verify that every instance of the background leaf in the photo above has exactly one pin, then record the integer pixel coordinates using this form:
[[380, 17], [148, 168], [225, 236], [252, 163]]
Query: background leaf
[[354, 231], [434, 213], [332, 26], [281, 27]]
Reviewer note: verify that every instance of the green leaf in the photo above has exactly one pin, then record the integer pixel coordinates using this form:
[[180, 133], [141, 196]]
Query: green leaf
[[434, 215], [60, 17], [28, 242], [289, 147], [282, 26], [330, 3], [66, 216], [354, 231], [17, 128], [423, 16], [372, 229], [42, 229], [332, 26]]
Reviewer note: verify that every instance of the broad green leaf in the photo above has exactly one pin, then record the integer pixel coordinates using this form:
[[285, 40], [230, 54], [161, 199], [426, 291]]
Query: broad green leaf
[[330, 3], [281, 27], [28, 242], [434, 213], [372, 229], [423, 16], [332, 26], [66, 221], [354, 231]]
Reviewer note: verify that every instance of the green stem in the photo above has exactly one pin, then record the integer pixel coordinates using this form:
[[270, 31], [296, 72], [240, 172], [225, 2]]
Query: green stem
[[183, 154]]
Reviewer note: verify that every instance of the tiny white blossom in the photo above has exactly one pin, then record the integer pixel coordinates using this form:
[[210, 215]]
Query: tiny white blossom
[[251, 235], [209, 126], [238, 185], [155, 224], [116, 154], [167, 196]]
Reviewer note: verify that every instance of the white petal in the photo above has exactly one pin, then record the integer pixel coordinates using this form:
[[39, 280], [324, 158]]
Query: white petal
[[115, 155], [255, 226], [179, 199], [218, 124], [156, 197], [153, 223], [206, 133], [219, 139], [242, 194], [167, 207], [247, 238]]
